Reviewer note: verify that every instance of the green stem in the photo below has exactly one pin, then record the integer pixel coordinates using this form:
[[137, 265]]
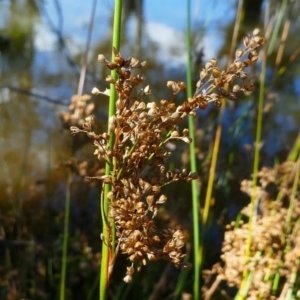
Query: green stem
[[277, 26], [107, 251], [293, 196], [65, 239], [255, 163], [217, 141], [294, 154], [193, 163]]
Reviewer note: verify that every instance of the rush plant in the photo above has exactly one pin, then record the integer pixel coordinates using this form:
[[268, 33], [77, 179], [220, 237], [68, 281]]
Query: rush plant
[[137, 157]]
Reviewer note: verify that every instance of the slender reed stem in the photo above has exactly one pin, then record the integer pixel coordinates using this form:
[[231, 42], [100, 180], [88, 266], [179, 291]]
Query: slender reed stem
[[293, 196], [65, 239], [183, 277], [243, 292], [106, 267], [217, 141], [87, 49], [294, 154], [193, 163], [278, 23]]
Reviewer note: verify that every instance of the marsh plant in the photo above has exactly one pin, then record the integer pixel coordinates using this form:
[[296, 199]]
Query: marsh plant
[[275, 251], [138, 157]]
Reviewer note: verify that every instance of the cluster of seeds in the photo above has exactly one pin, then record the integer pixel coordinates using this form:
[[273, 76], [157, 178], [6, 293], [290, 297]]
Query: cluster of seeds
[[138, 156], [213, 84], [275, 248], [79, 109]]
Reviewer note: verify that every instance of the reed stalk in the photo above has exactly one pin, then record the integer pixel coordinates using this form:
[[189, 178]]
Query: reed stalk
[[193, 163], [218, 135], [107, 250], [244, 290], [62, 291]]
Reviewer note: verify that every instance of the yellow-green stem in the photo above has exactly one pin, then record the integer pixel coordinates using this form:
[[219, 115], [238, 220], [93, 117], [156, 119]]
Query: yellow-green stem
[[108, 243], [217, 141], [294, 154], [193, 163], [243, 292]]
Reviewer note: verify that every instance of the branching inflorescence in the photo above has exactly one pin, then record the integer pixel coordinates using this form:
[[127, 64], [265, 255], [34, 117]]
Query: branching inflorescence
[[275, 250], [138, 157]]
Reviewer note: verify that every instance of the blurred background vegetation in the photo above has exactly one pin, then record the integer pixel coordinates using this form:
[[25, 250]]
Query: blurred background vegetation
[[35, 146]]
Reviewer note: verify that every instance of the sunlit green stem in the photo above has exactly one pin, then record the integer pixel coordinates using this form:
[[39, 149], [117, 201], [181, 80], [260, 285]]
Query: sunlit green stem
[[108, 243], [195, 193]]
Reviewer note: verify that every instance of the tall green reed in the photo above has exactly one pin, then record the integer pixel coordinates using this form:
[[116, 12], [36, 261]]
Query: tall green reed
[[217, 140], [267, 50], [108, 254], [257, 147], [193, 162]]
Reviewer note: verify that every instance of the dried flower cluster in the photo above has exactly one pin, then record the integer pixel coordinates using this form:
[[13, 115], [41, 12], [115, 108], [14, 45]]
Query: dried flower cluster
[[79, 109], [275, 248], [138, 156], [212, 85]]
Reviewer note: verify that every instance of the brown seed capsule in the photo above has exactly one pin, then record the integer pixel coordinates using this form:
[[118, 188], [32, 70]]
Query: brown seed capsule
[[186, 139], [216, 72], [246, 41], [239, 65], [213, 61], [119, 60], [247, 62], [74, 129], [218, 103], [109, 79], [256, 31], [232, 68], [170, 84], [243, 75], [147, 90], [231, 96], [175, 134], [112, 65], [223, 91], [253, 56], [203, 104], [143, 64], [128, 278], [249, 87], [162, 199], [239, 53], [134, 62], [208, 65], [236, 88], [203, 73], [156, 189], [185, 132]]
